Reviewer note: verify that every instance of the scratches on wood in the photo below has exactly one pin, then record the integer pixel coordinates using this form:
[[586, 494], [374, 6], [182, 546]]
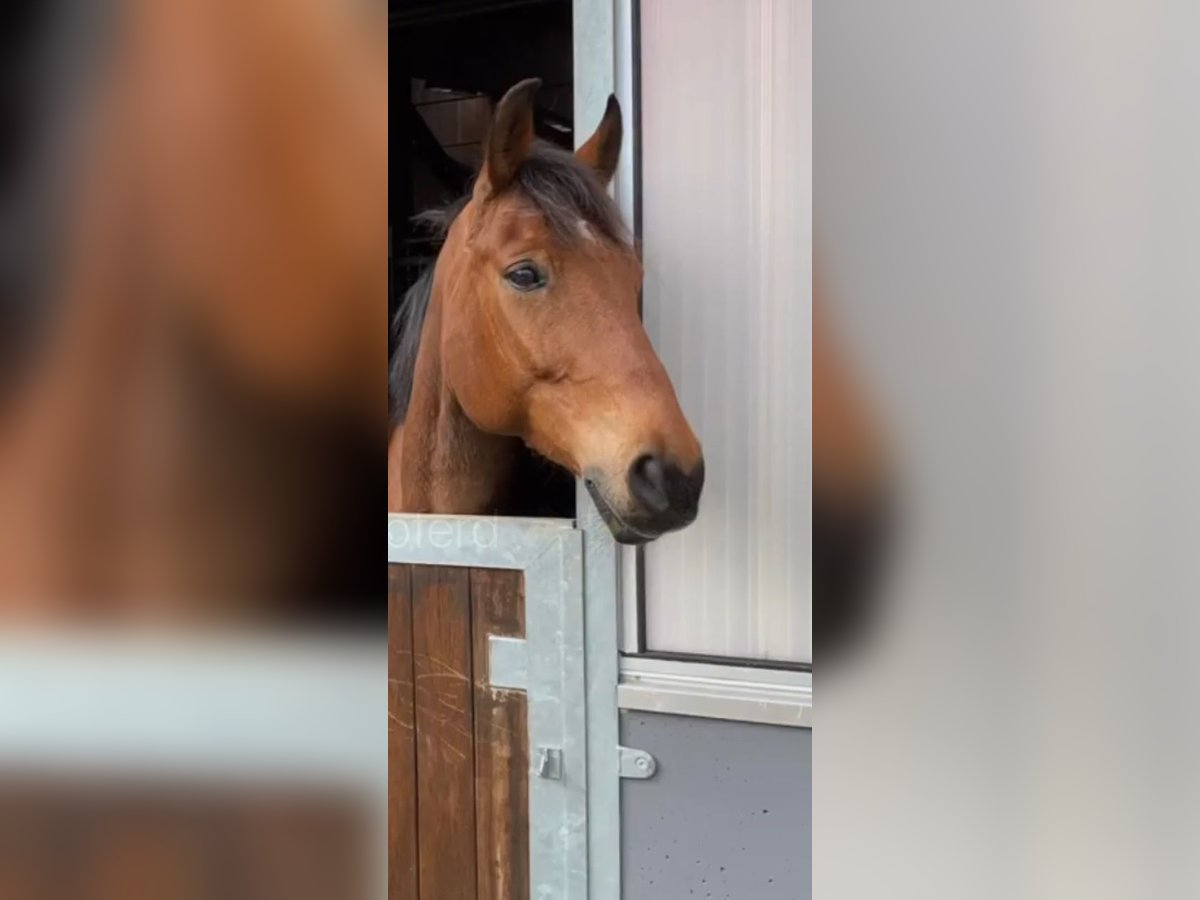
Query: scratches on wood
[[402, 755], [441, 623], [458, 748], [501, 746]]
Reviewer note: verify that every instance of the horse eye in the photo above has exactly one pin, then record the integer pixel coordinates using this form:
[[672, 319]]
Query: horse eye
[[525, 277]]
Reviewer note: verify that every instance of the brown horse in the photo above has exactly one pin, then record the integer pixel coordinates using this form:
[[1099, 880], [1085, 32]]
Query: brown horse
[[526, 334]]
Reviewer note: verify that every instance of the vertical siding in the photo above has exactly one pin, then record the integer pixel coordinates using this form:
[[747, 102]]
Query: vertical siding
[[726, 228]]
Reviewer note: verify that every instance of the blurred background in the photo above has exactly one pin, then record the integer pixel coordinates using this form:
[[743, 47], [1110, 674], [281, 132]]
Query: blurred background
[[193, 273], [193, 231], [1007, 204]]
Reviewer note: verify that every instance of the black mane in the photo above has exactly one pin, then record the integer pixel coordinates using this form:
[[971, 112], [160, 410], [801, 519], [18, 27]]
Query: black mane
[[562, 189]]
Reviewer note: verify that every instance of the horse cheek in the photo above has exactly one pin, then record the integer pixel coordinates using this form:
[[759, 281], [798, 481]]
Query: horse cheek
[[484, 388]]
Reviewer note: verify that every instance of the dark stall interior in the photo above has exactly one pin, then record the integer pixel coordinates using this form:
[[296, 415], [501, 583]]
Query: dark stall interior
[[450, 62]]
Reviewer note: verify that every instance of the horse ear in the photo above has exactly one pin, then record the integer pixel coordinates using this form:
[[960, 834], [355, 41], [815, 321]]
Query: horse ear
[[511, 136], [602, 150]]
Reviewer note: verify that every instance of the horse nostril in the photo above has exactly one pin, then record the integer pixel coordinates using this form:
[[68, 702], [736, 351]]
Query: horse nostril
[[648, 483]]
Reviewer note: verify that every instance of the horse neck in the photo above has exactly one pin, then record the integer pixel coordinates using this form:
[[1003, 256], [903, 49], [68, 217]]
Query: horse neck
[[448, 465]]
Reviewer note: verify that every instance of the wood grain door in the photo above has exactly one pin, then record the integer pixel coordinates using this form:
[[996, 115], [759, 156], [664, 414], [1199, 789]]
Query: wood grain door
[[458, 754]]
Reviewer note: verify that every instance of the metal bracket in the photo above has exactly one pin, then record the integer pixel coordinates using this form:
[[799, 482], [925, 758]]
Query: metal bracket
[[636, 763], [549, 763], [508, 663]]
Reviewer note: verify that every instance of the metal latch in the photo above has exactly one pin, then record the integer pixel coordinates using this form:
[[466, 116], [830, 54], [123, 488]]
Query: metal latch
[[636, 763], [549, 763]]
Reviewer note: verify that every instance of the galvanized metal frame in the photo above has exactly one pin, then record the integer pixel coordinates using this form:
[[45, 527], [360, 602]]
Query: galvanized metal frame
[[549, 663], [602, 30]]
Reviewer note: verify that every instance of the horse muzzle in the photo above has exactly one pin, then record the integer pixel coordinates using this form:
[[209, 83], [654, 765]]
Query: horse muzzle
[[659, 497]]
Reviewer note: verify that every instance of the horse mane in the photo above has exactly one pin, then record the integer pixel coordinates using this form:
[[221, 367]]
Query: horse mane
[[561, 188], [406, 328]]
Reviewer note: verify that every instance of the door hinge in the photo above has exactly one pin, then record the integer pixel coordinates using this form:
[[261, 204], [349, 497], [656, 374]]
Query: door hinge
[[636, 763]]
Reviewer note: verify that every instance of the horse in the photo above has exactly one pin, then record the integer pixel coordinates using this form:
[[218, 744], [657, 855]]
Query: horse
[[525, 338], [204, 394]]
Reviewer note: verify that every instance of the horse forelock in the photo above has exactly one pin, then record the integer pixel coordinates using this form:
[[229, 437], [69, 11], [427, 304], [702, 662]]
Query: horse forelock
[[567, 192]]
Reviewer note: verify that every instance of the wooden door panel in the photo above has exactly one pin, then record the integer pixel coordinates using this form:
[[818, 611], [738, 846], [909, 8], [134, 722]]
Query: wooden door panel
[[501, 745], [445, 733], [458, 763], [402, 750]]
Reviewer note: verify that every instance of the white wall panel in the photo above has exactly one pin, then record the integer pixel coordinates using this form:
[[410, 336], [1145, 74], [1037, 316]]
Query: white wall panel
[[726, 145]]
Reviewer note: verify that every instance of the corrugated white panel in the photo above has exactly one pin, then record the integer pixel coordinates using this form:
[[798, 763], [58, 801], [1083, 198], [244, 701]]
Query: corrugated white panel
[[727, 237]]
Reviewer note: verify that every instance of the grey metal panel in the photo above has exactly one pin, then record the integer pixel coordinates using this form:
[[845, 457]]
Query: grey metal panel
[[594, 24], [508, 663], [557, 718], [727, 815], [481, 541], [604, 797]]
